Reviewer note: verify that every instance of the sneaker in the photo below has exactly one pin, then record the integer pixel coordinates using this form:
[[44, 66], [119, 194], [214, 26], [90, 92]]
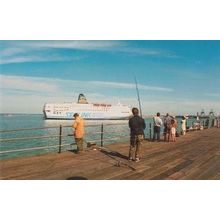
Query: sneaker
[[137, 160], [130, 159]]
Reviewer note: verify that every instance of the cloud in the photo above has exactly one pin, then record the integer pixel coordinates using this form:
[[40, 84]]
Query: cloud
[[81, 45], [21, 47], [56, 85], [129, 86], [24, 57], [112, 46], [146, 52], [21, 59], [9, 51], [27, 59], [36, 51], [26, 83], [213, 94]]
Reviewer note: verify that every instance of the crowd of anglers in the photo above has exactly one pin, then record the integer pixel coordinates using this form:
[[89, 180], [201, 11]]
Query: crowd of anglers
[[137, 126]]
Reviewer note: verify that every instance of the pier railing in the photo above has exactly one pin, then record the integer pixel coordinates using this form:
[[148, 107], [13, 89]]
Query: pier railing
[[60, 138]]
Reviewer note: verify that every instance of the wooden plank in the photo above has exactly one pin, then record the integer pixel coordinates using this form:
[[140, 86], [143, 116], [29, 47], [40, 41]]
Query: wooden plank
[[208, 169], [173, 170], [149, 173], [195, 156], [58, 166], [153, 165]]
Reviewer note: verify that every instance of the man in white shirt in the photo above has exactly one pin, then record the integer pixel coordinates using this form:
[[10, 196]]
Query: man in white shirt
[[157, 126]]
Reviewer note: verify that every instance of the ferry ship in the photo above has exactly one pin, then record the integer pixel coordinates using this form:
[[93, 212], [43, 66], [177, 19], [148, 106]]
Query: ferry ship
[[92, 111]]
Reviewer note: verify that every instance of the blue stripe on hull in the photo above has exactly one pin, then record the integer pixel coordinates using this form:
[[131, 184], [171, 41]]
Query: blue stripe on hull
[[88, 118]]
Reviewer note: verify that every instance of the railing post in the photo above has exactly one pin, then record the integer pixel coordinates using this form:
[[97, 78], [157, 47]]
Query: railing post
[[60, 138], [150, 131], [102, 133]]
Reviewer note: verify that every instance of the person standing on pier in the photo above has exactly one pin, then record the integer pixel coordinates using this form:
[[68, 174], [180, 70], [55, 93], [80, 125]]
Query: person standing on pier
[[157, 126], [137, 126], [218, 122], [183, 122], [79, 132], [173, 130], [167, 123]]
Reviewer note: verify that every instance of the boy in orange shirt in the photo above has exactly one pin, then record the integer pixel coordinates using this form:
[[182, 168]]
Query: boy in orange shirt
[[79, 131]]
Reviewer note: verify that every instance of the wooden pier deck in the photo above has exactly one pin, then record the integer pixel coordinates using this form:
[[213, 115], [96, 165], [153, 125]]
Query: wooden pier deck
[[193, 157]]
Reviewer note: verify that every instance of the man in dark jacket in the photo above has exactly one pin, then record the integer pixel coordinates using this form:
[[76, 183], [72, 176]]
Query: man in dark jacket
[[137, 126]]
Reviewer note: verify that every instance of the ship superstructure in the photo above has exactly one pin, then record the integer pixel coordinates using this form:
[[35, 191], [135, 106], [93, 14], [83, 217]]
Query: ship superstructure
[[92, 111]]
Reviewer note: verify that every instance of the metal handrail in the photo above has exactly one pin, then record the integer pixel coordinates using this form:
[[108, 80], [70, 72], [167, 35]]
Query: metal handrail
[[26, 129], [50, 136], [64, 126], [27, 138], [55, 146], [30, 149], [60, 135]]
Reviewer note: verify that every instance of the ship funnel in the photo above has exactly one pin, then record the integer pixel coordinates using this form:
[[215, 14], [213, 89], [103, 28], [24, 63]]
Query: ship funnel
[[82, 99]]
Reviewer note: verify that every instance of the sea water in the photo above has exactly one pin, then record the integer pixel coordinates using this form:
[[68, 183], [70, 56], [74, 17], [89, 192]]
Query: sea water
[[49, 130]]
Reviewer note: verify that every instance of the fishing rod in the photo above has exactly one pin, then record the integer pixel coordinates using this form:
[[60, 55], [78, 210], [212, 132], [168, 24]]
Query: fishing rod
[[138, 95]]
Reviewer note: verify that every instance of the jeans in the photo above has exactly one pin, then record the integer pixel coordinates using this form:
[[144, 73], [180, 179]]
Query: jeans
[[156, 133]]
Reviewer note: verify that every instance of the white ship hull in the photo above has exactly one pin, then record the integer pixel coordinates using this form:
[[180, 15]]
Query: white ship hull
[[66, 111]]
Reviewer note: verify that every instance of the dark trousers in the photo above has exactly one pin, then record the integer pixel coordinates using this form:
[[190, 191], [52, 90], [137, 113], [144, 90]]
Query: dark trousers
[[156, 133]]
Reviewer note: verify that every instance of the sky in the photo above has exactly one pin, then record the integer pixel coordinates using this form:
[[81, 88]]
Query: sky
[[179, 77]]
